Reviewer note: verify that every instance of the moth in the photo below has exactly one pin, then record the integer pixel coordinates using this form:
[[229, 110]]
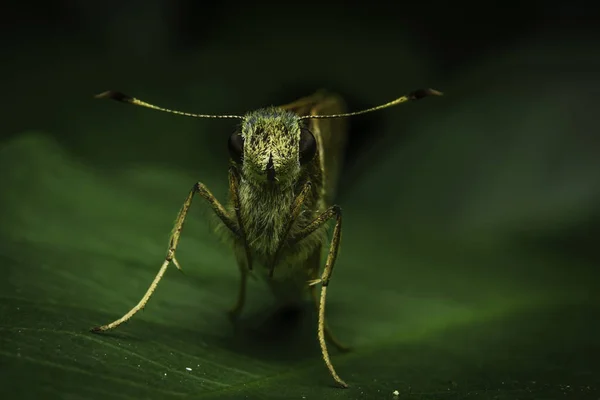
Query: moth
[[284, 167]]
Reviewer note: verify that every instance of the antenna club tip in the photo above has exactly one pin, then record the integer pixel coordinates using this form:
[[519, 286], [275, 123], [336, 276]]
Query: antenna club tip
[[114, 95], [419, 94]]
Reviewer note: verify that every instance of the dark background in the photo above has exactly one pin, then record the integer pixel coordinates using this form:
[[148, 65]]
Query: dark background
[[471, 221]]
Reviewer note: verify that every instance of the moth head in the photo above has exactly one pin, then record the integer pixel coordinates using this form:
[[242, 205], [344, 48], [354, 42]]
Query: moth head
[[272, 146]]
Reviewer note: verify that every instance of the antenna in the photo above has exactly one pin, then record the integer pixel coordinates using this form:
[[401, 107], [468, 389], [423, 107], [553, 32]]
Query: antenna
[[123, 98], [415, 95]]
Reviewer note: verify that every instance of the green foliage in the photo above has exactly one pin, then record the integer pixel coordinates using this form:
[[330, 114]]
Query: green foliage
[[436, 290], [79, 248]]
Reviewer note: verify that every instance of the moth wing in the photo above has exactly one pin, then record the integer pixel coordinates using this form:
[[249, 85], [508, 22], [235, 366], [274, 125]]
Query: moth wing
[[331, 135]]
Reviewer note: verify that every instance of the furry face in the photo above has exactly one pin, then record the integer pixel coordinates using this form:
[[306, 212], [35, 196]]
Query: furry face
[[272, 147]]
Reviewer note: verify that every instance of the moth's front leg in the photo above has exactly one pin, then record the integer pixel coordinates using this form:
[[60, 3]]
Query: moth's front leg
[[293, 216], [202, 190], [234, 182]]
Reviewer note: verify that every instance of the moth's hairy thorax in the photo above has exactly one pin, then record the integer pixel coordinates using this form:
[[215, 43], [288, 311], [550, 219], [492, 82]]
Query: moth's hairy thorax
[[264, 215], [266, 212]]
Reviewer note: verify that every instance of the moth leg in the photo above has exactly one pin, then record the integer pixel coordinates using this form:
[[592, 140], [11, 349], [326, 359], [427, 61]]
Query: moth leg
[[295, 211], [332, 212], [236, 310], [328, 333], [244, 265], [235, 197], [202, 190]]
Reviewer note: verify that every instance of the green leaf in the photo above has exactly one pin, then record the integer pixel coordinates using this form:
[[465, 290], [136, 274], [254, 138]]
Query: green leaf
[[435, 289], [79, 249]]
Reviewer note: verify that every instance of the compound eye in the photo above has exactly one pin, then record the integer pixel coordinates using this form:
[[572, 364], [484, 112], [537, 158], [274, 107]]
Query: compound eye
[[308, 146], [236, 147]]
